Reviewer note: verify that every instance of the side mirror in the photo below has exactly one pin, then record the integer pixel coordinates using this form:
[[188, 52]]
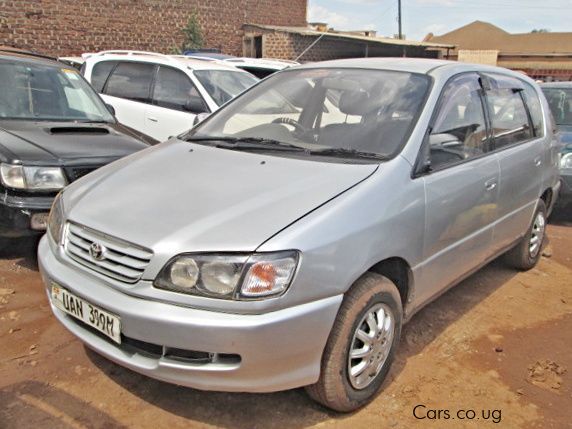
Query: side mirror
[[110, 108], [200, 118], [195, 105]]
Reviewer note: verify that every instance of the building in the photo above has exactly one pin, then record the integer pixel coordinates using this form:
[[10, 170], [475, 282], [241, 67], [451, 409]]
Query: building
[[546, 56], [317, 43], [71, 27]]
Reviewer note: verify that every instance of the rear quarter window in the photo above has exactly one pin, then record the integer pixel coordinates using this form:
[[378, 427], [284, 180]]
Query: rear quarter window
[[535, 109]]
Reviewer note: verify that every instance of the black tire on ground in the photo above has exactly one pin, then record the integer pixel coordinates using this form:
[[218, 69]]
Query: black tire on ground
[[520, 256], [334, 389]]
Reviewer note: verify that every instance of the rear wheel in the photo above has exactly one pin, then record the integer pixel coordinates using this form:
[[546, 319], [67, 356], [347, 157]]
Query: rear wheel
[[361, 346], [526, 254]]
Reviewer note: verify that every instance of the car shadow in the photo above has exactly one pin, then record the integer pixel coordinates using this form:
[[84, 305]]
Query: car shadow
[[561, 215], [294, 407], [22, 250], [35, 404]]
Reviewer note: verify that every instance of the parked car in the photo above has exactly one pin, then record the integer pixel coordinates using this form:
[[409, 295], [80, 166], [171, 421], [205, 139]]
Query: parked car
[[160, 95], [259, 67], [54, 129], [293, 236], [559, 95]]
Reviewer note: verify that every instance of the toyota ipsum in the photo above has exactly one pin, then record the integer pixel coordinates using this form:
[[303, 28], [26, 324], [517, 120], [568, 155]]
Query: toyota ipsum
[[284, 241]]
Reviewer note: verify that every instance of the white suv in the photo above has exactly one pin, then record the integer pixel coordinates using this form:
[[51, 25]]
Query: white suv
[[160, 95]]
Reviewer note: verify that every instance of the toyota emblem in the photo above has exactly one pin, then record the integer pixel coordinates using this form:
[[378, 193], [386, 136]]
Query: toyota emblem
[[97, 251]]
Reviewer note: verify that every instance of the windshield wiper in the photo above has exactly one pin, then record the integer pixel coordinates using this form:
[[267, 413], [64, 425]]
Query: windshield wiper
[[348, 153], [248, 143]]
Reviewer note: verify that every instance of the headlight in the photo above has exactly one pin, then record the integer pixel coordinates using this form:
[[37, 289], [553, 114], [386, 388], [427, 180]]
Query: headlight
[[56, 220], [231, 276], [566, 160], [38, 178]]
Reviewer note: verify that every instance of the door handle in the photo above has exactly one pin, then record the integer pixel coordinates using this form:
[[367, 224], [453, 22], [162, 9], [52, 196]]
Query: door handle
[[490, 185], [538, 161], [152, 119]]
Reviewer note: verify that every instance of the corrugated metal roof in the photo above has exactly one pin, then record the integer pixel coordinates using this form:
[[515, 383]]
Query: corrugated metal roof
[[482, 35], [304, 31]]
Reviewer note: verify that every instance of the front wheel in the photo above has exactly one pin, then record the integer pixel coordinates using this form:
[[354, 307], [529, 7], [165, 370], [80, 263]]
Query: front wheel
[[526, 254], [361, 346]]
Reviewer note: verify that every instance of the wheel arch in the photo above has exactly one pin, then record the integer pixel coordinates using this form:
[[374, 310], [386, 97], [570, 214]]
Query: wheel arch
[[399, 272]]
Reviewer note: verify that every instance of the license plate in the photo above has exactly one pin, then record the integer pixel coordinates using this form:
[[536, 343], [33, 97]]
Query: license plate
[[93, 316]]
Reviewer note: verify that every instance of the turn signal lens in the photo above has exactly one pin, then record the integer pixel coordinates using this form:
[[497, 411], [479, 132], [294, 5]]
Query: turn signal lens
[[270, 277]]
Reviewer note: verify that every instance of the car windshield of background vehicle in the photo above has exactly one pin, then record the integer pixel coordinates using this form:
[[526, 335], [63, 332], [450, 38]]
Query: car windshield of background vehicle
[[224, 85], [560, 102], [48, 93], [329, 110]]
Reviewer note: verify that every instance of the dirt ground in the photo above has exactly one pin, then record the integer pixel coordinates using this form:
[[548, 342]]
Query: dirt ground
[[494, 351]]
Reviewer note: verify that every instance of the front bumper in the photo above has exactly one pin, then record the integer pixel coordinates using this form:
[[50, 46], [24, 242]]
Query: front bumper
[[16, 214], [278, 350]]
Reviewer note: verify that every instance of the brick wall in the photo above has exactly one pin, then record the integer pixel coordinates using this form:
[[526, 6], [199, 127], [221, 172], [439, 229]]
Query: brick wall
[[70, 27]]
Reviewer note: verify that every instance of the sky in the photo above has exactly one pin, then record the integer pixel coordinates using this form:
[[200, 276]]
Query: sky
[[420, 17]]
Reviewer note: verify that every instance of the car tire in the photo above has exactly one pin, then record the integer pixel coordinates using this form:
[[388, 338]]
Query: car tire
[[526, 254], [338, 387]]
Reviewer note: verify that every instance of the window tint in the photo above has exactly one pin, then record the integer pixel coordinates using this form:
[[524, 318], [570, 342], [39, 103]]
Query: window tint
[[100, 73], [131, 81], [459, 132], [174, 90], [509, 119]]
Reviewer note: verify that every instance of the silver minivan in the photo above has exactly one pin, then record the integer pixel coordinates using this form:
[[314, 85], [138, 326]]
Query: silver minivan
[[284, 241]]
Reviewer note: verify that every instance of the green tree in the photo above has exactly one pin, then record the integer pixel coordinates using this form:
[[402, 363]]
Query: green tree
[[540, 30], [192, 35]]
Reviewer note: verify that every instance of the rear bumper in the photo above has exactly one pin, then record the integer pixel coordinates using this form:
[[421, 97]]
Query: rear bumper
[[278, 350], [16, 214]]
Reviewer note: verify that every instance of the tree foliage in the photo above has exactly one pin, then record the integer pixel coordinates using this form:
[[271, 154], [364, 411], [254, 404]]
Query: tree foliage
[[192, 35]]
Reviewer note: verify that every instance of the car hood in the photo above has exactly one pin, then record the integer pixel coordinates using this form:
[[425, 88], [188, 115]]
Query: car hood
[[182, 197], [59, 143]]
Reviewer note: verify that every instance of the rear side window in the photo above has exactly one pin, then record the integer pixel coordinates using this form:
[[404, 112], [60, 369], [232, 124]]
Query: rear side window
[[174, 90], [100, 73], [509, 118], [131, 81], [459, 132], [535, 109]]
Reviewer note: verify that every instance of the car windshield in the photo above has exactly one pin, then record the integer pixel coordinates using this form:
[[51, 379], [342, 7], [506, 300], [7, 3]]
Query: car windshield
[[224, 85], [560, 102], [327, 111], [37, 92]]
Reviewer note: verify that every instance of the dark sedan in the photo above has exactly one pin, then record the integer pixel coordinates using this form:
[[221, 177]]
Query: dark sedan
[[559, 96], [54, 129]]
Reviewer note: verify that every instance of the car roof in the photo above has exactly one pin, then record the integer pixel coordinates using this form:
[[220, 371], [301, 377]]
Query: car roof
[[13, 54], [263, 63], [181, 61], [413, 65]]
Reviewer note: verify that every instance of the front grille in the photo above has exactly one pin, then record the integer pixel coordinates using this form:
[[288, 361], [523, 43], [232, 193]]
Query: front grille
[[75, 173], [120, 260]]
